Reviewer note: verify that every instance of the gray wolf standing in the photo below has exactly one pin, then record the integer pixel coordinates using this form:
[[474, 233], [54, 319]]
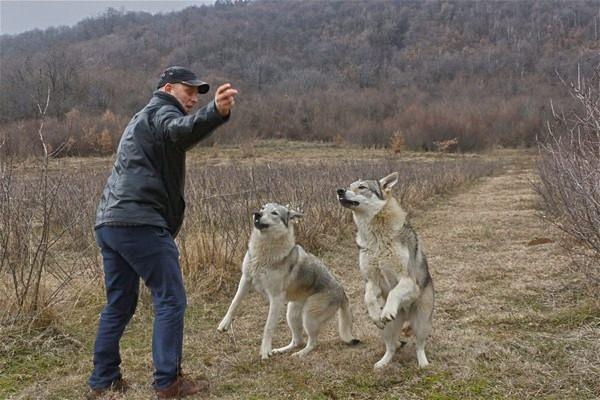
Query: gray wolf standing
[[283, 270], [399, 289]]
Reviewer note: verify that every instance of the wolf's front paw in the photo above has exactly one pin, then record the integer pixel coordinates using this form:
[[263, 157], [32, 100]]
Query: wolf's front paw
[[388, 315], [224, 325]]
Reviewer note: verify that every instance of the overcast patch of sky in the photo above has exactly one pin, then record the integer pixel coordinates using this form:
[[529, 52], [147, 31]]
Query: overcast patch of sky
[[20, 16]]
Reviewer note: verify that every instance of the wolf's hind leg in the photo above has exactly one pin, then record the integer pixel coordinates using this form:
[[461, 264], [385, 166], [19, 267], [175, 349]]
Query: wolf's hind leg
[[421, 357], [421, 323], [390, 337], [316, 312]]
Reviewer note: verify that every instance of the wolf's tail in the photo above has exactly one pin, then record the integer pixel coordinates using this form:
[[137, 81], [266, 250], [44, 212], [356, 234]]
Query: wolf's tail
[[345, 323]]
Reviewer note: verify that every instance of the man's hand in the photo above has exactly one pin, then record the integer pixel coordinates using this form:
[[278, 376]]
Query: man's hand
[[225, 99]]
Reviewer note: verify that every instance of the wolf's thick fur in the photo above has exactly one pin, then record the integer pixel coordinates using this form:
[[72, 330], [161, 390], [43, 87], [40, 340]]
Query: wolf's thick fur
[[398, 289], [283, 270]]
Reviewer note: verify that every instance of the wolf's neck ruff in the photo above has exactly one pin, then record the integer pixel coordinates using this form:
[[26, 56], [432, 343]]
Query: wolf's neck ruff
[[390, 218], [267, 249]]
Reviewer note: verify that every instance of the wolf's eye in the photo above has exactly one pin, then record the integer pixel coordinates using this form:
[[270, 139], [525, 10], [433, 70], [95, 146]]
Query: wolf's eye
[[274, 213], [361, 187]]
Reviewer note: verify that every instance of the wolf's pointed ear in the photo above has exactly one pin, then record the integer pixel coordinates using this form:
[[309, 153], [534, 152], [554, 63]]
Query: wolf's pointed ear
[[389, 181], [292, 215]]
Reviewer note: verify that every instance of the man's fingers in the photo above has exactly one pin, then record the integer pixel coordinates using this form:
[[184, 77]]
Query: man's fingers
[[225, 98], [223, 88], [227, 93]]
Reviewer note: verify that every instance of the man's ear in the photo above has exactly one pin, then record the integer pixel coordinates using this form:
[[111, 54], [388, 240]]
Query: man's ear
[[389, 181], [167, 88]]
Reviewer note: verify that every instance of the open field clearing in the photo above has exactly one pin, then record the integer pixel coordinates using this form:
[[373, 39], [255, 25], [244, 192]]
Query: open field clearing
[[512, 320]]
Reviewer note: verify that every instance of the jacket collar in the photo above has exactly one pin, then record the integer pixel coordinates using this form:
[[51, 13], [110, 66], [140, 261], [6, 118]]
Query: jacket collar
[[165, 98]]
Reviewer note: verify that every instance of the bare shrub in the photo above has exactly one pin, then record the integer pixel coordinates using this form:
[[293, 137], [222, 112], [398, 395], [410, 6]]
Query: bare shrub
[[569, 170], [397, 142], [38, 220], [88, 134], [76, 134], [477, 126]]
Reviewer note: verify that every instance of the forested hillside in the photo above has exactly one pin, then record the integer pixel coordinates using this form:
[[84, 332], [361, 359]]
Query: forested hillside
[[347, 71]]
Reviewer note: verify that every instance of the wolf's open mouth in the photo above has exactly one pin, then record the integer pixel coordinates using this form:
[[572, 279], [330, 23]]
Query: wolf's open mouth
[[259, 225], [347, 203]]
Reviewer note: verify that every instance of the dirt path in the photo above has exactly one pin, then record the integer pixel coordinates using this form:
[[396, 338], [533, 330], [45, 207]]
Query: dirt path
[[511, 318]]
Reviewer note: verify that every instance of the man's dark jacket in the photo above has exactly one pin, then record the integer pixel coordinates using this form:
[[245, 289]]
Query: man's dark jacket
[[147, 180]]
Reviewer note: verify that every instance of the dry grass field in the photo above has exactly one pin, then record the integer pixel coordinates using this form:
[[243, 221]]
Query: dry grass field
[[512, 319]]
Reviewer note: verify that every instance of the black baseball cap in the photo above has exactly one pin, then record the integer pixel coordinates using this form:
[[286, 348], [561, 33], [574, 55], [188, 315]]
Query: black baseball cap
[[182, 75]]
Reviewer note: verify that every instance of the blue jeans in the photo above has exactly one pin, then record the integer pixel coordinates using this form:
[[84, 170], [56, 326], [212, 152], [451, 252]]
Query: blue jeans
[[131, 253]]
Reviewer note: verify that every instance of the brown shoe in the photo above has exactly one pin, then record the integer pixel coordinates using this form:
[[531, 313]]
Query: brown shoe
[[120, 386], [181, 387]]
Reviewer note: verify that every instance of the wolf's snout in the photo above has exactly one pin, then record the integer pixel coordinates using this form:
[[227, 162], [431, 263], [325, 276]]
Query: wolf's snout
[[344, 201], [257, 224]]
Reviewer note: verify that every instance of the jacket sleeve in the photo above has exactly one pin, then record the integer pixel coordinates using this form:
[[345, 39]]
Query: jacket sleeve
[[185, 131]]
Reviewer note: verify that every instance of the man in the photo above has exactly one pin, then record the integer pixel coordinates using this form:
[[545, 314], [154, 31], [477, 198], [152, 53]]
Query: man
[[139, 215]]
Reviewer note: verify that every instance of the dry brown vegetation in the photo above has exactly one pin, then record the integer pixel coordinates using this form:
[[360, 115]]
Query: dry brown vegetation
[[48, 208], [221, 199], [511, 321]]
